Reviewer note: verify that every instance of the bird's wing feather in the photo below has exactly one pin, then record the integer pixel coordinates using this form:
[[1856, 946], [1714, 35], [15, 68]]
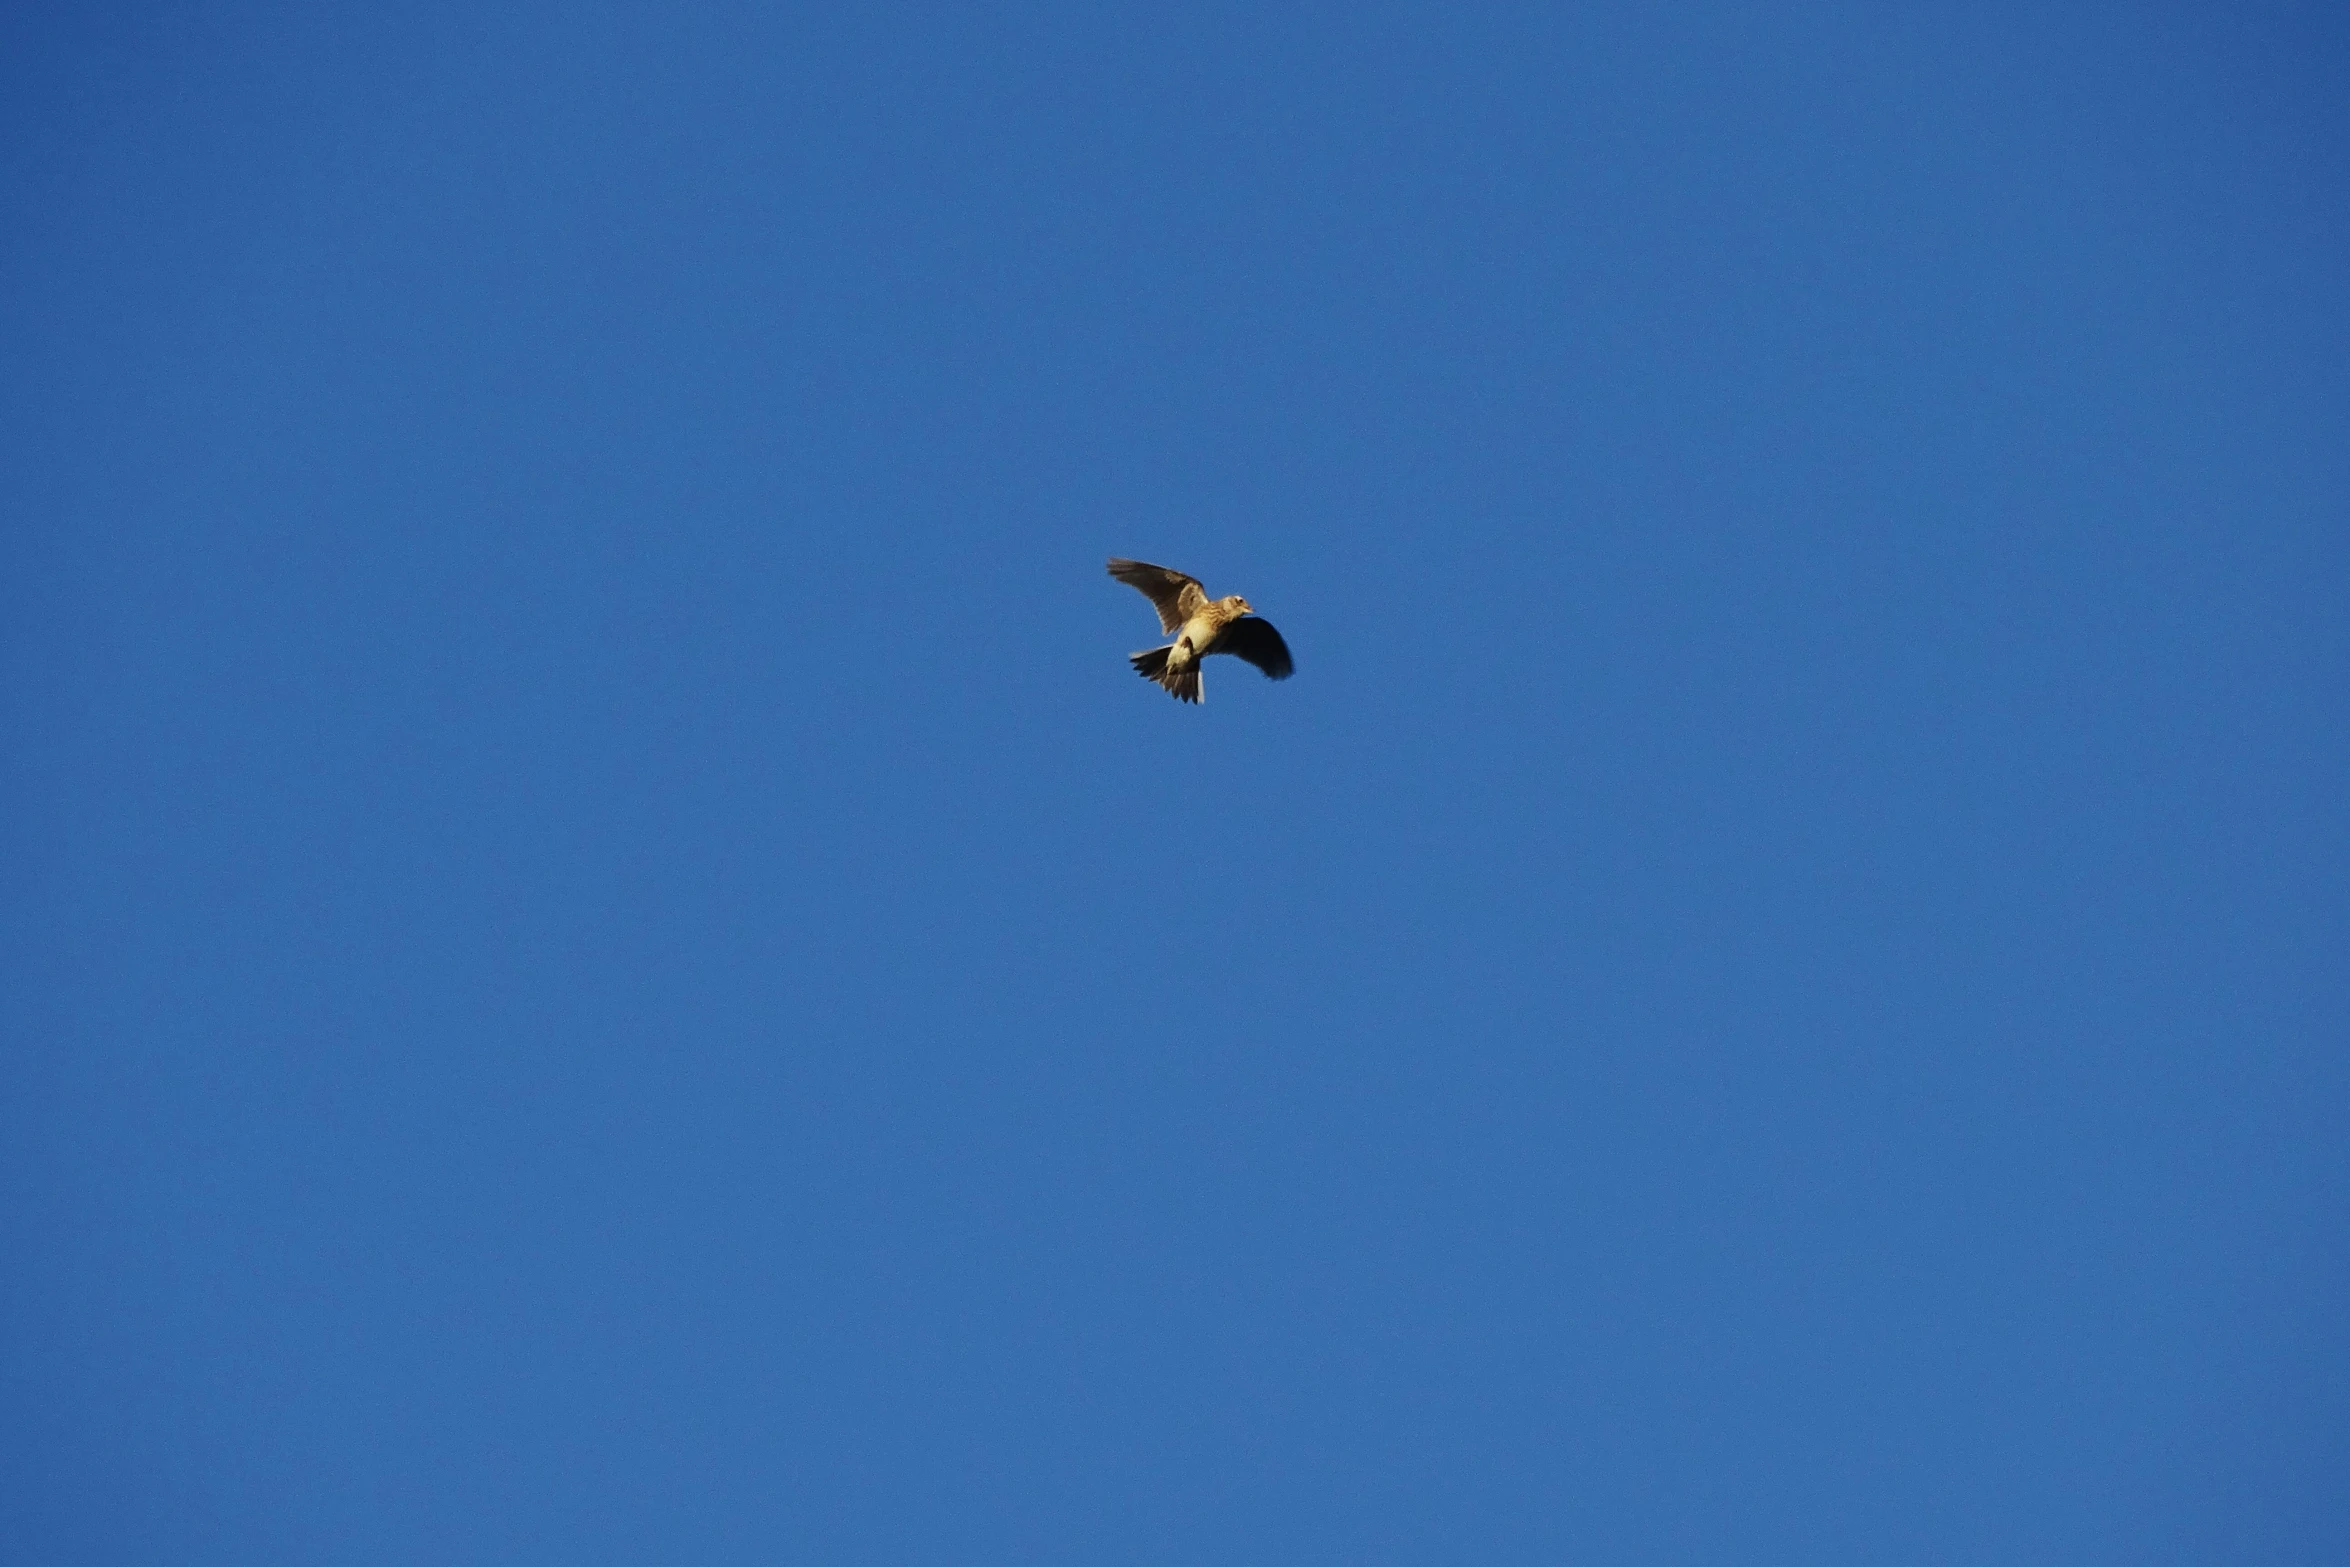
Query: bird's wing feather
[[1176, 596], [1257, 641]]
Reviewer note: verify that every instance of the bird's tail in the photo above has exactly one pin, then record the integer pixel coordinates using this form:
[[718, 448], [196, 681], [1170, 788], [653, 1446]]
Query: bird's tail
[[1183, 681]]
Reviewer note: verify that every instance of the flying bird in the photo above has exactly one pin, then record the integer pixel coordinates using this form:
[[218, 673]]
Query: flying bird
[[1200, 626]]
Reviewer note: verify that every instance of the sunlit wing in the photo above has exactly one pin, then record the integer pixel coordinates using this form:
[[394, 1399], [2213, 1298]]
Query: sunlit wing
[[1176, 596]]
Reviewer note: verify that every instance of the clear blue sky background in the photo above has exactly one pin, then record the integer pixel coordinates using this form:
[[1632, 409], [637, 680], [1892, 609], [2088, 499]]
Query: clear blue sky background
[[604, 962]]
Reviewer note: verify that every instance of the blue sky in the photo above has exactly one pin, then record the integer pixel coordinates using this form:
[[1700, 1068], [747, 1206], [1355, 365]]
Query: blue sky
[[604, 961]]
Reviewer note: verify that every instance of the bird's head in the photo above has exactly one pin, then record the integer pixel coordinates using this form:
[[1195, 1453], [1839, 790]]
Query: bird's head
[[1239, 605]]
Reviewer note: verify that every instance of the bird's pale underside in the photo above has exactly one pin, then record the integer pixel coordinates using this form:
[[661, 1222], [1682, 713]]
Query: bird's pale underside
[[1201, 626]]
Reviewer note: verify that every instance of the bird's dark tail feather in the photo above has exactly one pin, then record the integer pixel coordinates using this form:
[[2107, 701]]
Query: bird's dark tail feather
[[1152, 665]]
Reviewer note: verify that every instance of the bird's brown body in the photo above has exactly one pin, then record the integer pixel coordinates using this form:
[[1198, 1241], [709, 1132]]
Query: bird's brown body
[[1201, 626]]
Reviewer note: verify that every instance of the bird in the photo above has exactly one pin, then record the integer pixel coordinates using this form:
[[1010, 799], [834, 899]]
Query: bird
[[1200, 626]]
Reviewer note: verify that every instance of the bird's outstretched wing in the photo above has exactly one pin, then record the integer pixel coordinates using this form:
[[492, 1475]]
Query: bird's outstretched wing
[[1257, 641], [1176, 596]]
